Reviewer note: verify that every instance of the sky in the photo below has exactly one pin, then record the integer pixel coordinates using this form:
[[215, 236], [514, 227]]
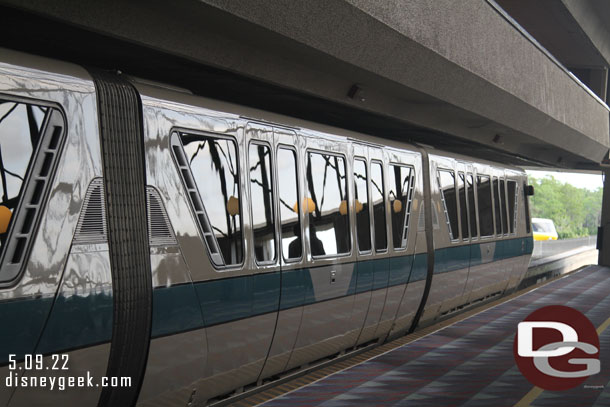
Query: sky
[[579, 180]]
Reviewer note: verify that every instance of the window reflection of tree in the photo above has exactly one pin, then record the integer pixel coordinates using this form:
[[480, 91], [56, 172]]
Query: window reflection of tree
[[263, 152], [22, 157], [264, 233], [217, 154], [333, 163], [335, 218]]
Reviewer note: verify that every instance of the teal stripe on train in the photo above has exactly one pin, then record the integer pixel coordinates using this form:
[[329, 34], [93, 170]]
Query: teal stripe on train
[[460, 257], [22, 321], [80, 321], [74, 321], [77, 321]]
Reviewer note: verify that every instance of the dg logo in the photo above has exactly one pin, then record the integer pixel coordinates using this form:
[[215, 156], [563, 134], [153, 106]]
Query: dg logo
[[556, 348]]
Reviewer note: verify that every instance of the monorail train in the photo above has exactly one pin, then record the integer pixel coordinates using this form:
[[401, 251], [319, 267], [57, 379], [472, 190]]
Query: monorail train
[[197, 247]]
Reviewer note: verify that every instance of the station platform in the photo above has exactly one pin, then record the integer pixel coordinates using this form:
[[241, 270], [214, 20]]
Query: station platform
[[471, 363]]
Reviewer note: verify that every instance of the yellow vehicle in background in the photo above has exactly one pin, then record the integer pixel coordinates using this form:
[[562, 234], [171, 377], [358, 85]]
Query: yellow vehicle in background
[[544, 229]]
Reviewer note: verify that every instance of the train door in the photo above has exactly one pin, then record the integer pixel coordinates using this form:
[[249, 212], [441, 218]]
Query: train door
[[240, 305], [483, 275], [473, 231], [379, 266], [363, 235], [452, 262], [263, 237], [330, 258], [467, 217], [514, 245], [290, 207], [401, 186], [417, 246]]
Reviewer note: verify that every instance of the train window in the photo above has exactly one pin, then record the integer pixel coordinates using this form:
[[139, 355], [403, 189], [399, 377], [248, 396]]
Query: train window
[[214, 166], [500, 227], [471, 206], [486, 222], [289, 211], [446, 180], [261, 196], [463, 206], [363, 220], [21, 127], [329, 232], [505, 221], [528, 223], [399, 194], [378, 200], [511, 186]]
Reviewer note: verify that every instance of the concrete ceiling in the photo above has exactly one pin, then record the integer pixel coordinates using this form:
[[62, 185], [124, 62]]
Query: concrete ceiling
[[456, 75], [576, 32]]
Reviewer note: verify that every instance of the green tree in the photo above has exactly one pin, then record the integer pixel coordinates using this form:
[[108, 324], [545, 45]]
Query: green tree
[[575, 211]]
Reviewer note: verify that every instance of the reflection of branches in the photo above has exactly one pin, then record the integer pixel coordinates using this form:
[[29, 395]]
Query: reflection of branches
[[324, 183], [9, 112], [223, 183], [312, 191], [200, 147], [34, 133], [13, 174], [286, 205], [223, 234], [358, 176], [265, 184], [3, 177], [228, 159], [341, 197], [374, 183], [257, 182], [407, 180], [266, 153]]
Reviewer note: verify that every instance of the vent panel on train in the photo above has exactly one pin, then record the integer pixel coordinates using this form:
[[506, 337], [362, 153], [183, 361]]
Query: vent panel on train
[[160, 231], [92, 225]]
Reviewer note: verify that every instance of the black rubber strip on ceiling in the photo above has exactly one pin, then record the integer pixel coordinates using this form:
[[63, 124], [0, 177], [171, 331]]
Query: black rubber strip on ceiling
[[120, 125]]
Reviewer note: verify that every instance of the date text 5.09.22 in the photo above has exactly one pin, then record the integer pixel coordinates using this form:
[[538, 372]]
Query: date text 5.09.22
[[39, 362]]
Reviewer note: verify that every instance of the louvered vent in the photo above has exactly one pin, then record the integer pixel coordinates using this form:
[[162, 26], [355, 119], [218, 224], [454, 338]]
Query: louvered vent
[[91, 226], [160, 231]]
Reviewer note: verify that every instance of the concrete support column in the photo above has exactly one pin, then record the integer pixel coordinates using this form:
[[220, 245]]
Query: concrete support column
[[604, 231]]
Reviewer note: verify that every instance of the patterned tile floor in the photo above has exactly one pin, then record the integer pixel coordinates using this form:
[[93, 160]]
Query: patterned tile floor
[[470, 363]]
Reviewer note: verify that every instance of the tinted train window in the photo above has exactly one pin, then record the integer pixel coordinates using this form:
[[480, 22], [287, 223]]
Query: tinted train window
[[289, 206], [400, 203], [504, 209], [463, 206], [499, 215], [363, 220], [472, 208], [214, 166], [486, 222], [329, 232], [446, 181], [512, 204], [528, 223], [261, 196], [378, 199], [20, 133]]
